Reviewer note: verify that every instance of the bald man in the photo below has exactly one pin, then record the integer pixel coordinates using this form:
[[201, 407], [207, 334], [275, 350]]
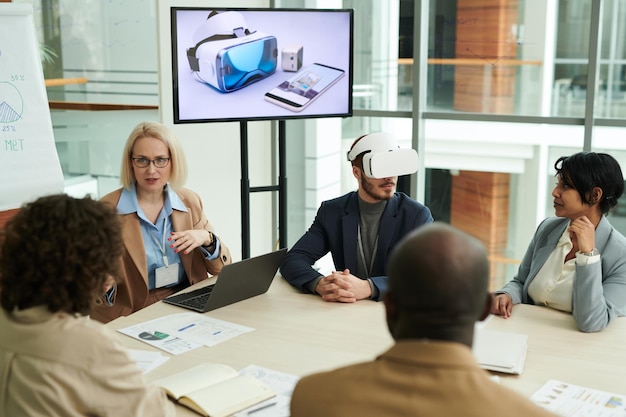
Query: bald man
[[438, 289]]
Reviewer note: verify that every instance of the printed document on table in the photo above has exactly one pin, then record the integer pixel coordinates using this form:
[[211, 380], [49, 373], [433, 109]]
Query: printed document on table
[[182, 332], [147, 360], [282, 384], [569, 400]]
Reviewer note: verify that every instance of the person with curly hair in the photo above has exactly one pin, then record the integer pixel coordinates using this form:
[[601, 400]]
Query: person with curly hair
[[168, 242], [576, 262], [58, 254]]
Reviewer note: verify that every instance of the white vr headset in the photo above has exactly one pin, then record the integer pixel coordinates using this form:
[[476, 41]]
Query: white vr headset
[[384, 158], [228, 56]]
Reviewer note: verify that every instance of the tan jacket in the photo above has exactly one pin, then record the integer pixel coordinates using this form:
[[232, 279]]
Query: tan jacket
[[413, 378], [70, 366], [132, 292]]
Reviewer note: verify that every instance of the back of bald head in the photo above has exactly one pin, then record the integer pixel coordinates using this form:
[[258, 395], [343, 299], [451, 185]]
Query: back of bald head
[[438, 279]]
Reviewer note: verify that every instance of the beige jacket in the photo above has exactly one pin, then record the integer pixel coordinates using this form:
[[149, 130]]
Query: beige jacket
[[413, 378], [67, 366], [132, 292]]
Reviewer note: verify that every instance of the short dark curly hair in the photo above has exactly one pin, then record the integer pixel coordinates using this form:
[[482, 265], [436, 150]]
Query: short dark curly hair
[[58, 252]]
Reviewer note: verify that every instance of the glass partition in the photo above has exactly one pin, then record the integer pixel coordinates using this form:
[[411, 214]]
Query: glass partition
[[523, 63]]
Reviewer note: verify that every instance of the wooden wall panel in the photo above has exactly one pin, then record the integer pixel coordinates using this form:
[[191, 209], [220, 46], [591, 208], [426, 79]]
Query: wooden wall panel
[[484, 32], [5, 216], [486, 50], [480, 207]]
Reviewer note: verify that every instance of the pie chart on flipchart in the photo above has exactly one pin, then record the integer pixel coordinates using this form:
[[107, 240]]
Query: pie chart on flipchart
[[11, 103]]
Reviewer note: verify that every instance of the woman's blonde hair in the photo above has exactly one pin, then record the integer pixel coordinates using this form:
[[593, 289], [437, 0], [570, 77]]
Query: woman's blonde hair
[[178, 174]]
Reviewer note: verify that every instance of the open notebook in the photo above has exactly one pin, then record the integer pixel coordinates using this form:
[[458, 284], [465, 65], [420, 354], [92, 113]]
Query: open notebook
[[500, 351], [215, 390]]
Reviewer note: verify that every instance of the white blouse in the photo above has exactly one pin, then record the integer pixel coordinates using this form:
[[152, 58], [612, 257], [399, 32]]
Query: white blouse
[[554, 283]]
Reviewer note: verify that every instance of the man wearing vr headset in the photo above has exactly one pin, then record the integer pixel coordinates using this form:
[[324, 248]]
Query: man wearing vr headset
[[360, 228]]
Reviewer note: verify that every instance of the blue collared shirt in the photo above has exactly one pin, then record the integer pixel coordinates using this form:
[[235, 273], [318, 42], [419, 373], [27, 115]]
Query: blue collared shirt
[[155, 234]]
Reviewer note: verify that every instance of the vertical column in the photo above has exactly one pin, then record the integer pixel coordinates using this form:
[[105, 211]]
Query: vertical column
[[480, 207], [323, 160], [486, 34]]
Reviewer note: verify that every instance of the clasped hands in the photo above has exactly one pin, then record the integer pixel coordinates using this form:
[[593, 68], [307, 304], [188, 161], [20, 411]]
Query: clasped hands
[[188, 240], [343, 287]]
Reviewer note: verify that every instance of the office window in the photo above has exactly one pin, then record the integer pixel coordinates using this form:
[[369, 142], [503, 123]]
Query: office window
[[491, 178], [612, 71], [104, 57], [488, 59], [571, 62]]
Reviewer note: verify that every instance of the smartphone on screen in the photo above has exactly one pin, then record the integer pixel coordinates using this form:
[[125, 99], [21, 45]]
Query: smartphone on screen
[[300, 90]]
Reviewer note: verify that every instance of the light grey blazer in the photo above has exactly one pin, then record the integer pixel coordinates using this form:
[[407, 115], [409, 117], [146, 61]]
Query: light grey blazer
[[599, 293]]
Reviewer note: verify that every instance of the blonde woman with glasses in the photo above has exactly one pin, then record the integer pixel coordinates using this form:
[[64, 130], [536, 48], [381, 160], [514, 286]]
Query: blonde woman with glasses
[[168, 242]]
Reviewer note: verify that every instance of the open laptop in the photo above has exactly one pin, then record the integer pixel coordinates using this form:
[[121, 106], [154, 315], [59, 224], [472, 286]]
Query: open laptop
[[236, 282]]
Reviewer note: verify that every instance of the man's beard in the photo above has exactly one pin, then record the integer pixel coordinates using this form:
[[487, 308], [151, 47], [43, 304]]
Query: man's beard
[[373, 191]]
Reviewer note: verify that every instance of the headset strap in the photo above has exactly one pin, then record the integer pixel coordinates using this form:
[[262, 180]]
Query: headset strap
[[218, 27]]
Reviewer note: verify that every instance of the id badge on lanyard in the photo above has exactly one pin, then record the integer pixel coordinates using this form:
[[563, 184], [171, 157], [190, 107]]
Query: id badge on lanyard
[[168, 274]]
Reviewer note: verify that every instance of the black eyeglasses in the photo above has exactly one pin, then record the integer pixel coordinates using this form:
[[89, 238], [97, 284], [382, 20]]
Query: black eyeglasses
[[145, 162]]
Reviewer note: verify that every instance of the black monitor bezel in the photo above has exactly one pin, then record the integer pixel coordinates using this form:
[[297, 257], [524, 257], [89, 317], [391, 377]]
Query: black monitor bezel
[[175, 75]]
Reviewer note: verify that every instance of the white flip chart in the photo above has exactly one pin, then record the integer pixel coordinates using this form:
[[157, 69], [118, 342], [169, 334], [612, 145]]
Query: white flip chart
[[29, 163]]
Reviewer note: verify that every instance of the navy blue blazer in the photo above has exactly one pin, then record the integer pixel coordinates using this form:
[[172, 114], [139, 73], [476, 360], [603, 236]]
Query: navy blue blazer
[[334, 230]]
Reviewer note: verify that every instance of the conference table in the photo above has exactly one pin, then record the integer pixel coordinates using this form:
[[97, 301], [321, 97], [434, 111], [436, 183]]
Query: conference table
[[299, 334]]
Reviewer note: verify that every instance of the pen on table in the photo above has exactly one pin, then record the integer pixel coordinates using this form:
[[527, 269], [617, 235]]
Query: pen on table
[[262, 408], [186, 327], [216, 332]]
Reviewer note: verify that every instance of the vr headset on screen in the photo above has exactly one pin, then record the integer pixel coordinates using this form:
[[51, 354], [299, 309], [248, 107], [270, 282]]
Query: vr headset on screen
[[228, 56], [384, 158]]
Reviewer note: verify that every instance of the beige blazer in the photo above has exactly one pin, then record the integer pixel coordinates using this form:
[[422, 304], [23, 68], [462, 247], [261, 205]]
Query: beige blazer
[[413, 378], [132, 291], [69, 366]]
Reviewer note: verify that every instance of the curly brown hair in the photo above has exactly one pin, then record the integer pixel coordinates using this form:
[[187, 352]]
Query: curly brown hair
[[58, 251]]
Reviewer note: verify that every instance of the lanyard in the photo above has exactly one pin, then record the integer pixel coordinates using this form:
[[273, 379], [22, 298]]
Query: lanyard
[[162, 244], [362, 252]]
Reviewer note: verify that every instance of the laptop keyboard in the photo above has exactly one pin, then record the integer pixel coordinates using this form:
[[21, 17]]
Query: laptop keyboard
[[196, 302], [200, 300]]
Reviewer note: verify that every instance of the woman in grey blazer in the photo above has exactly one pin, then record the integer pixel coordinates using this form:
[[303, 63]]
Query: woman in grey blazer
[[576, 261]]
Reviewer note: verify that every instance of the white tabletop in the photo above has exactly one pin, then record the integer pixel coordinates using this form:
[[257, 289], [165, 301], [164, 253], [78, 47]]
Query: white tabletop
[[300, 334], [557, 350]]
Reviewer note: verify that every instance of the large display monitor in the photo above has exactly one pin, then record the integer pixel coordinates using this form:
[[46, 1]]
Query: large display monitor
[[240, 64]]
